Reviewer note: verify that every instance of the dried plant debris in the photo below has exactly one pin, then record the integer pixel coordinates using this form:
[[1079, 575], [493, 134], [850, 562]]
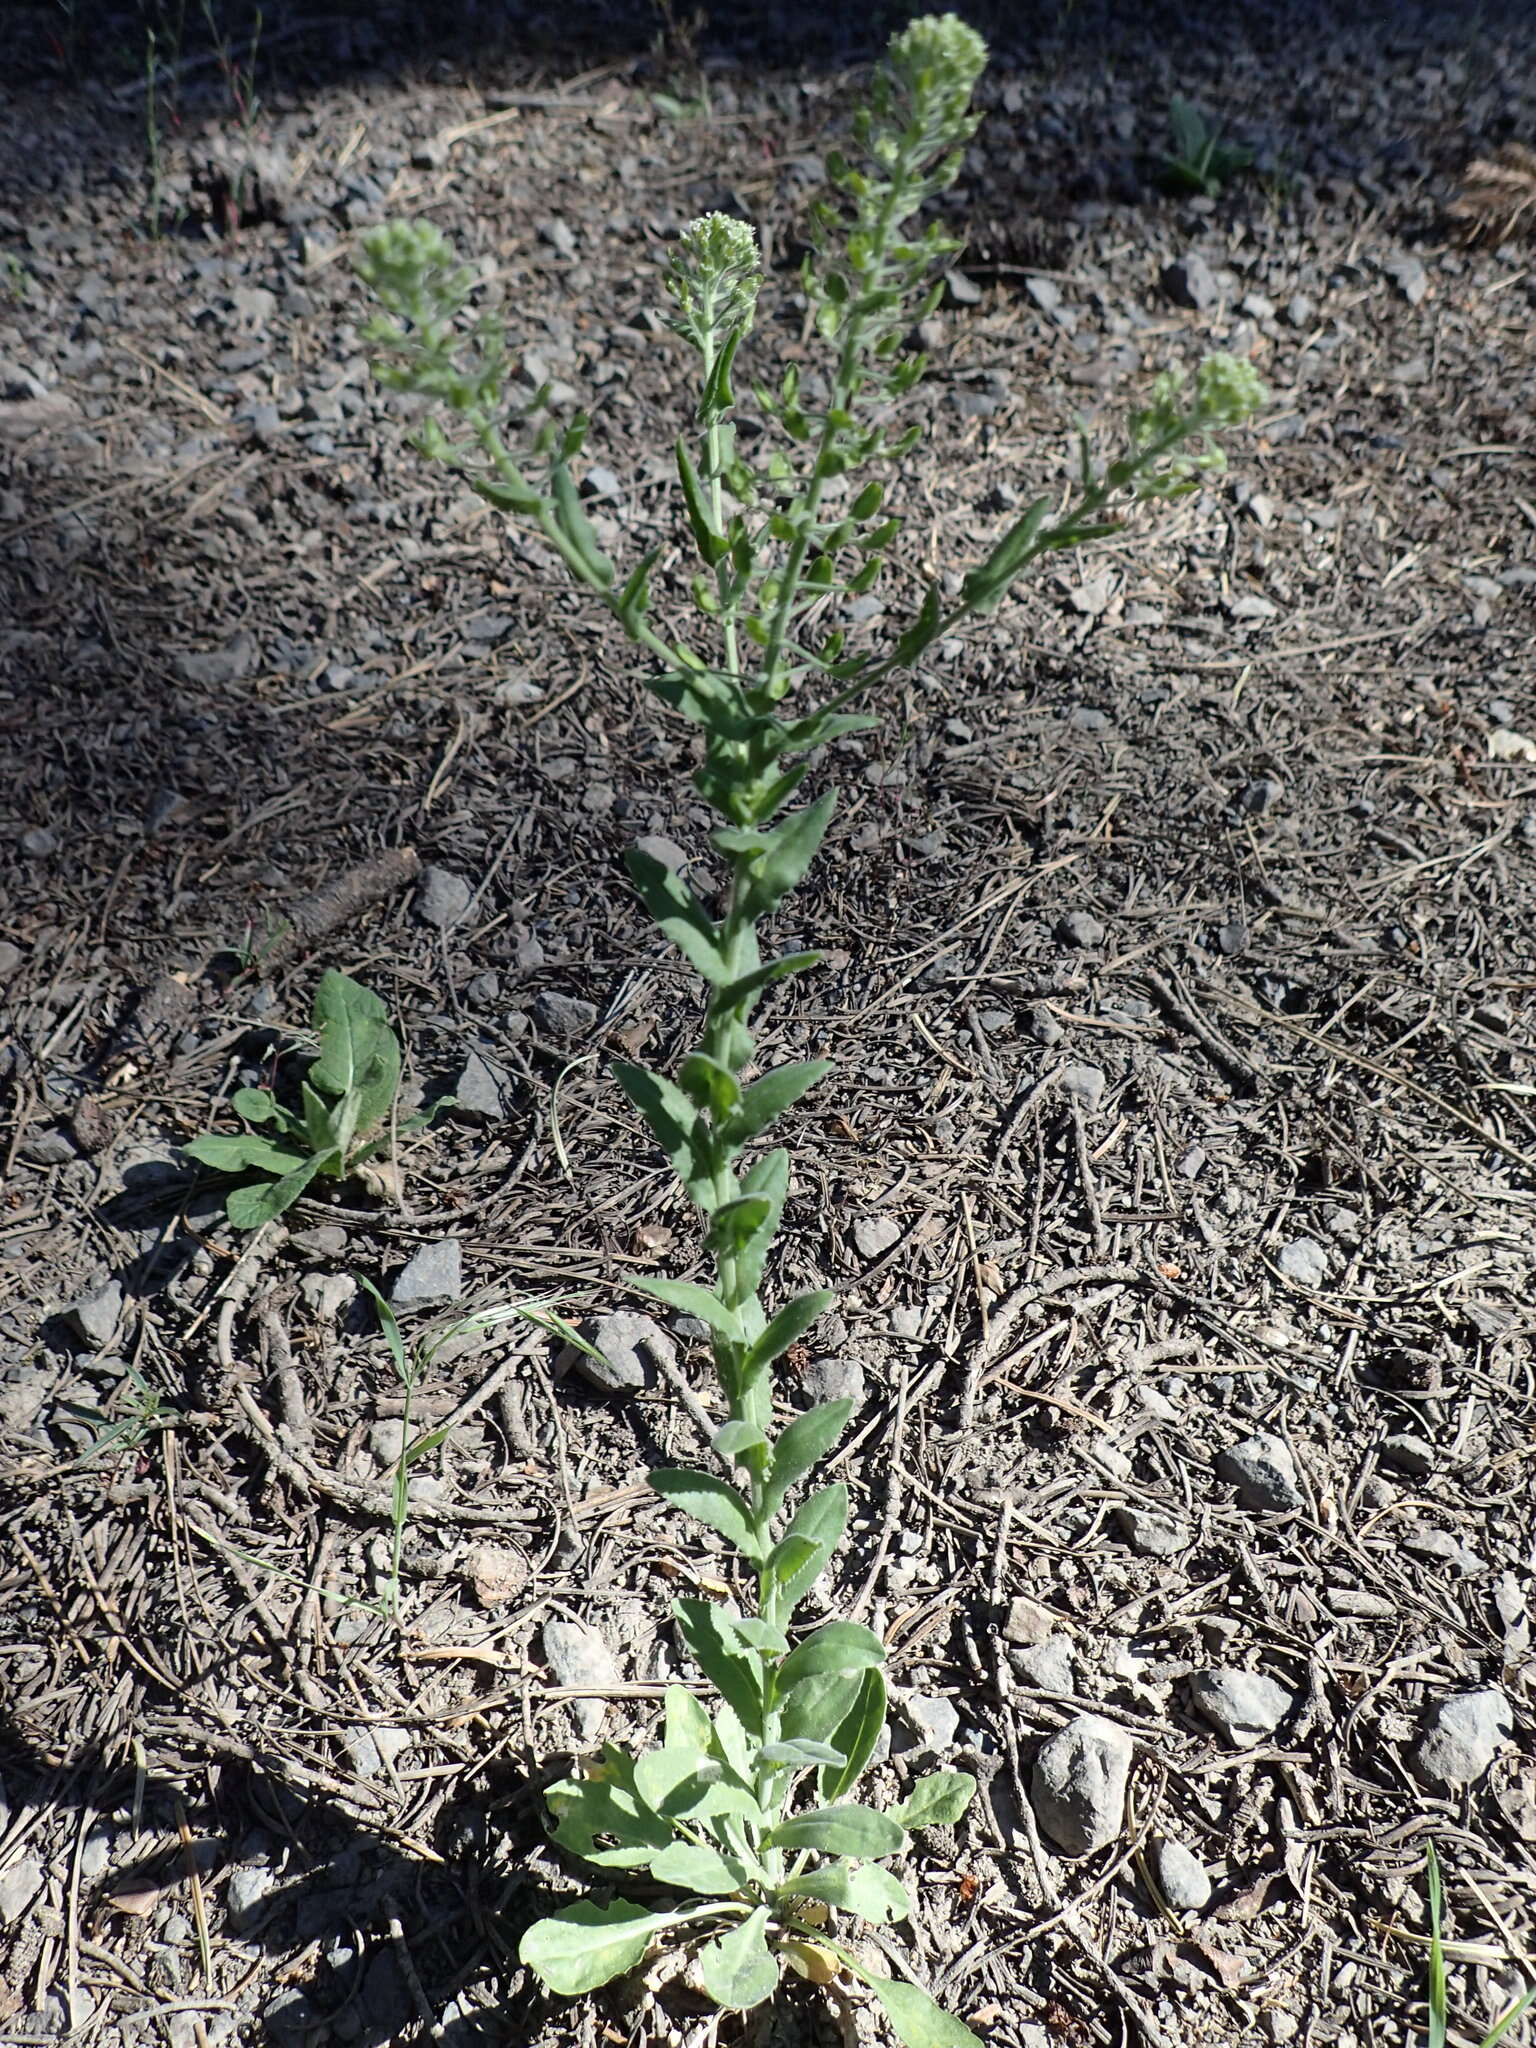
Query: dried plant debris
[[1497, 200]]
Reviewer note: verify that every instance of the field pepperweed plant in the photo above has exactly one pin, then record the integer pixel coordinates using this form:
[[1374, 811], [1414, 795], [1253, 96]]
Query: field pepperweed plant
[[739, 1827]]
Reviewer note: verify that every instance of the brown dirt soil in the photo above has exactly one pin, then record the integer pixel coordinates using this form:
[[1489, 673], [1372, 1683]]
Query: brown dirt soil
[[1181, 934]]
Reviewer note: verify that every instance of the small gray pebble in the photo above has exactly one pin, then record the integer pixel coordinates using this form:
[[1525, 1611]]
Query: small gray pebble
[[39, 842], [247, 1885], [1083, 718], [11, 958], [624, 1339], [1182, 1878], [431, 1277], [1190, 282], [1460, 1737], [1410, 1454], [1046, 1666], [839, 1378], [95, 1316], [662, 849], [1242, 1706], [564, 1018], [477, 1092], [19, 1886], [1305, 1261], [1043, 1027], [1077, 1786], [1299, 310], [1080, 928], [442, 898], [875, 1234], [1028, 1622], [578, 1655], [1153, 1535], [933, 1721], [238, 658], [1264, 1473], [1085, 1085], [600, 482]]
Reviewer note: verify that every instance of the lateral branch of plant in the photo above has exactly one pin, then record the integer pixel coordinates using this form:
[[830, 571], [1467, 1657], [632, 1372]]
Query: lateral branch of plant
[[783, 536]]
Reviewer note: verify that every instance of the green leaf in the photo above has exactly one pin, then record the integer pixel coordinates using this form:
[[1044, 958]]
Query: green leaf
[[249, 1208], [984, 587], [921, 633], [816, 1707], [835, 1646], [708, 1084], [327, 1127], [587, 1945], [737, 1968], [588, 1810], [799, 1752], [856, 1735], [916, 2019], [792, 1320], [937, 1801], [821, 1520], [696, 1868], [678, 912], [768, 1098], [239, 1154], [693, 1300], [751, 984], [686, 1725], [789, 852], [389, 1323], [736, 1676], [707, 538], [758, 1634], [359, 1054], [868, 1890], [258, 1106], [674, 1122], [710, 1501], [807, 1440], [735, 1225], [736, 1440], [840, 1831]]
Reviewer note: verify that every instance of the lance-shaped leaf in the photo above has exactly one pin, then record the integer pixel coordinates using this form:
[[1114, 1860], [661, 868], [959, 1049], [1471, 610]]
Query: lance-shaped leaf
[[807, 1440], [766, 1099], [707, 538], [921, 633], [244, 1150], [936, 1801], [840, 1831], [792, 1321], [710, 1501], [856, 1735], [710, 1085], [835, 1646], [678, 912], [984, 587], [693, 1300], [675, 1124], [587, 1945], [768, 1182], [737, 1968], [815, 1530], [708, 697], [867, 1890], [695, 1867], [249, 1208], [798, 1752], [790, 850], [752, 983], [575, 528], [735, 1225], [734, 1674]]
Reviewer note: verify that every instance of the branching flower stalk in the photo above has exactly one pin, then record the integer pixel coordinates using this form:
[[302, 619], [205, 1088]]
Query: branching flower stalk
[[745, 1807]]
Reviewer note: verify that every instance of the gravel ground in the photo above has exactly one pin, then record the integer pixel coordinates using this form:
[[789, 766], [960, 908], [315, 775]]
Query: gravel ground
[[1178, 1174]]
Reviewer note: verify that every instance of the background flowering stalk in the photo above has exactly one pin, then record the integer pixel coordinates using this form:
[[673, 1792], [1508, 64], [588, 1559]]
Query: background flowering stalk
[[722, 1810]]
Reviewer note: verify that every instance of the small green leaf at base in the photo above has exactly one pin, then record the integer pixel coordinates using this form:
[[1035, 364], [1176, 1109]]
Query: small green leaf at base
[[587, 1945], [937, 1801], [738, 1970]]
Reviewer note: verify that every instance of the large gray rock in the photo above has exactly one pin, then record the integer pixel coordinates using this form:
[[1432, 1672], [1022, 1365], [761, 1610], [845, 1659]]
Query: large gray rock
[[1461, 1737], [1264, 1473], [1304, 1261], [1078, 1784], [1151, 1534], [578, 1656], [1242, 1706]]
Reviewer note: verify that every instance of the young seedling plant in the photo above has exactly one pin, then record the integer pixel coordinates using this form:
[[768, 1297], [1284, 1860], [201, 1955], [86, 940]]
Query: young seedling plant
[[345, 1096], [740, 1828], [1200, 161]]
